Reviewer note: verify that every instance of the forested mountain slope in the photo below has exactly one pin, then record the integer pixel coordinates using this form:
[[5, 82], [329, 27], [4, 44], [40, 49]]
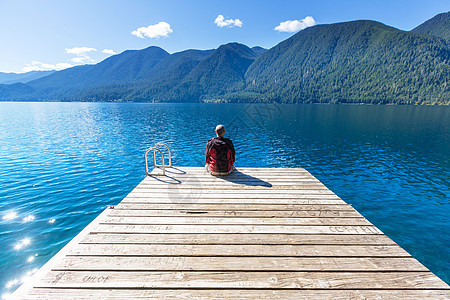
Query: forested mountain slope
[[438, 26], [360, 61]]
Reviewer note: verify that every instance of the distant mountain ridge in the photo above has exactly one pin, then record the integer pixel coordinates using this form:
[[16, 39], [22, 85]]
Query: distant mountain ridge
[[11, 78], [352, 62]]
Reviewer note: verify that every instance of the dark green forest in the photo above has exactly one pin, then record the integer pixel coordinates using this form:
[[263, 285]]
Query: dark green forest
[[438, 26], [362, 61], [351, 62]]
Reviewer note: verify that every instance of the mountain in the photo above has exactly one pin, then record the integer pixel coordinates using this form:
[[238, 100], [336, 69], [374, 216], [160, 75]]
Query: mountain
[[176, 66], [10, 78], [359, 61], [438, 26], [16, 91], [127, 66], [351, 62], [153, 86], [220, 73], [190, 75], [259, 50]]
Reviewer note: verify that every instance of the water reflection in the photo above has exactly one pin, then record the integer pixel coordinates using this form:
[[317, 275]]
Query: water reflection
[[14, 283], [30, 259], [28, 218], [23, 243], [10, 216]]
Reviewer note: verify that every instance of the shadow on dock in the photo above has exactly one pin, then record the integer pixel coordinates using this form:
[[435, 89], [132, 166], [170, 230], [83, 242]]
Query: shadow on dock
[[238, 177]]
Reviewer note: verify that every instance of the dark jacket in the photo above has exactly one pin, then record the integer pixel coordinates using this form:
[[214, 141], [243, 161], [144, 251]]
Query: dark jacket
[[220, 154]]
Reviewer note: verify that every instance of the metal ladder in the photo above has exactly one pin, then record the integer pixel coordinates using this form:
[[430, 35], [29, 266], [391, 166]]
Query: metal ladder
[[155, 165]]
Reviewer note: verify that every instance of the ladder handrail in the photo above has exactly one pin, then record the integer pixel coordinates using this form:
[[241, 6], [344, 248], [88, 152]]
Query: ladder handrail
[[154, 161], [155, 165], [170, 154]]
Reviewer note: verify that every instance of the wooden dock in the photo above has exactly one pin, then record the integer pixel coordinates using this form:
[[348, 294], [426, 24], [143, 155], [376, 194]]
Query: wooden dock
[[255, 234]]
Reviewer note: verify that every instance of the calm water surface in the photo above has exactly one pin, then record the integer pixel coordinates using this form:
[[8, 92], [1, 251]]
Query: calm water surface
[[62, 163]]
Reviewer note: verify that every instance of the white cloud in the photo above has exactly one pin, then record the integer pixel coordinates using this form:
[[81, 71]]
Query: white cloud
[[222, 22], [296, 25], [40, 66], [80, 60], [162, 29], [109, 51], [81, 53]]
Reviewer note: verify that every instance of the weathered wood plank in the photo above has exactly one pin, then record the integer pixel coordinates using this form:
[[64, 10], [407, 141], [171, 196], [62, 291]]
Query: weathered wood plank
[[235, 213], [239, 250], [299, 229], [221, 294], [233, 187], [199, 179], [169, 178], [272, 193], [233, 178], [144, 220], [342, 206], [261, 175], [186, 198], [235, 175], [306, 264], [238, 172], [239, 239], [245, 170], [261, 280]]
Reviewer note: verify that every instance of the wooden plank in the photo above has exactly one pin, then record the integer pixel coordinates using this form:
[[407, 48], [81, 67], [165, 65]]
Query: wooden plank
[[186, 198], [254, 198], [278, 264], [244, 170], [342, 206], [299, 229], [229, 179], [239, 239], [173, 178], [233, 187], [238, 250], [261, 280], [144, 220], [232, 183], [235, 213], [261, 175], [222, 294], [235, 175], [272, 193], [176, 179]]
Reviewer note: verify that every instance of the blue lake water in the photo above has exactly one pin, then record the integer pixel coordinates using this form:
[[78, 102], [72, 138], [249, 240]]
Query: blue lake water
[[62, 163]]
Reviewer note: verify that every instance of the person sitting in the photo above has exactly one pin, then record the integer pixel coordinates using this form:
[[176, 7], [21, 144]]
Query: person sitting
[[219, 154]]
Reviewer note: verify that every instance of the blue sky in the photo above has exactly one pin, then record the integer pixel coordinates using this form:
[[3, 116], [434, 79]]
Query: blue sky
[[44, 34]]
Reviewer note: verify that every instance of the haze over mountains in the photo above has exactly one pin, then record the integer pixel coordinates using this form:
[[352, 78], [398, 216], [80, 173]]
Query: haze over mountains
[[351, 62], [10, 78]]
